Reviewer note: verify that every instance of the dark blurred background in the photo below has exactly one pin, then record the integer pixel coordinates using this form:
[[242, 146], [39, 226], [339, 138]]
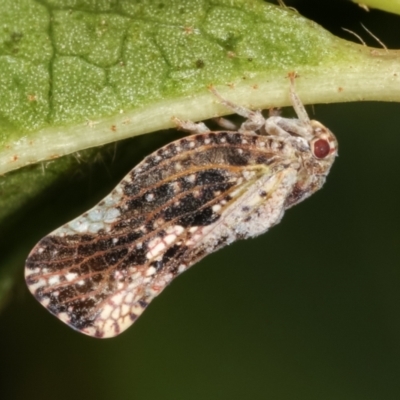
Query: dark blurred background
[[310, 310]]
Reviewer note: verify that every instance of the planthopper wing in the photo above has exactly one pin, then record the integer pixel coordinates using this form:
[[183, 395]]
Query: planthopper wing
[[99, 272]]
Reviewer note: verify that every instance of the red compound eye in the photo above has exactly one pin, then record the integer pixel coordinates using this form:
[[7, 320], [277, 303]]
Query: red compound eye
[[321, 148]]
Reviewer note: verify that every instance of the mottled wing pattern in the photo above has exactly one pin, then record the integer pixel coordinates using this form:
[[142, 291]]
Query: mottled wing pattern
[[100, 271]]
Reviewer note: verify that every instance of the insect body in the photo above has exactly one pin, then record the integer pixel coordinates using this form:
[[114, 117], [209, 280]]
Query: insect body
[[99, 272]]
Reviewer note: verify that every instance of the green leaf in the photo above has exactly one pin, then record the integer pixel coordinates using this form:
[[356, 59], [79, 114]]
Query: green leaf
[[78, 74], [385, 5], [116, 70]]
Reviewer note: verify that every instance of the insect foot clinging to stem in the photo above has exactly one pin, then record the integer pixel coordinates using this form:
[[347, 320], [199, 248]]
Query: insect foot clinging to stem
[[193, 196]]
